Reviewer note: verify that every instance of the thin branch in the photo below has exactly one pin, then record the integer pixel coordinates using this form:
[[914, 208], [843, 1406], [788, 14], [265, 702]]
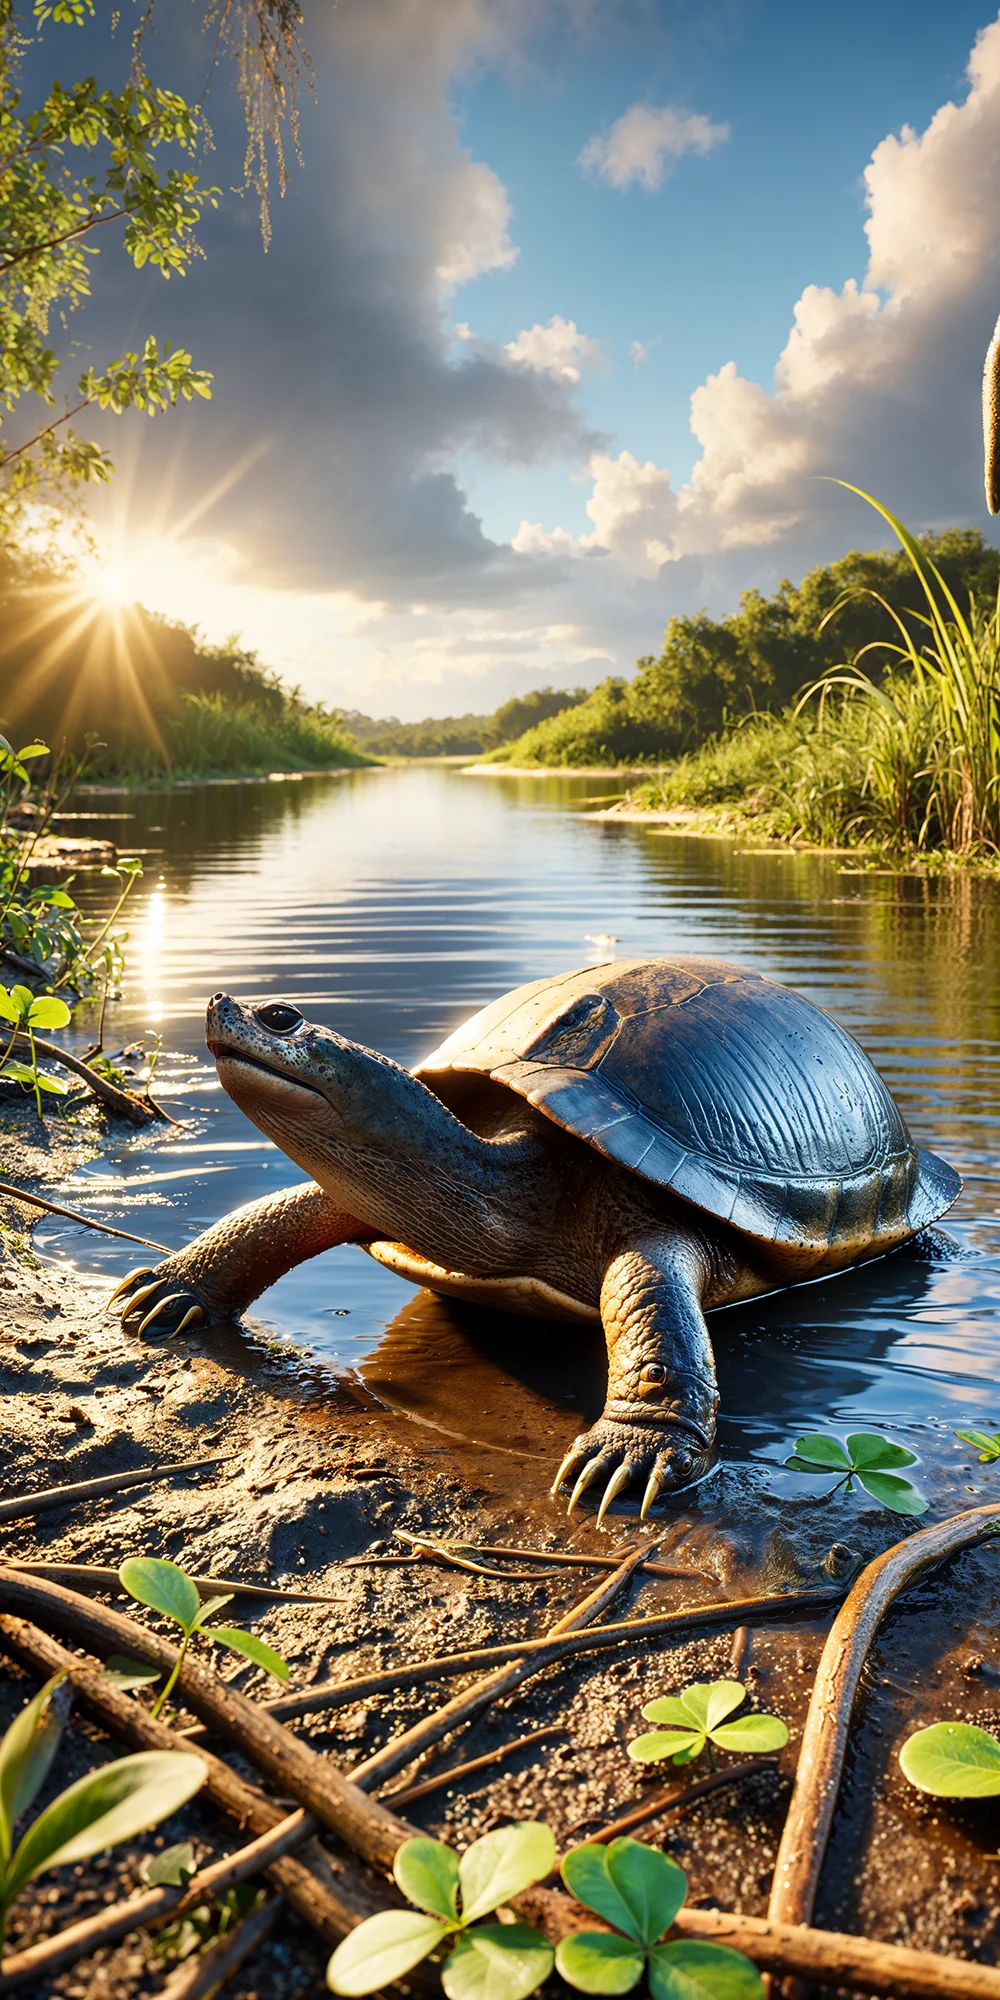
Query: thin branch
[[55, 1208], [678, 1797], [408, 1793], [89, 1576], [9, 457], [23, 1504], [36, 249]]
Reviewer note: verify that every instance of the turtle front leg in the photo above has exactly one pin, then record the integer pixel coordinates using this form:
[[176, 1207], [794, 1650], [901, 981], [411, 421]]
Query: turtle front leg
[[213, 1280], [659, 1419]]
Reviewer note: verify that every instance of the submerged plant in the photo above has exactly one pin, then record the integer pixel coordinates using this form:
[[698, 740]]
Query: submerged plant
[[695, 1719], [639, 1891], [867, 1458], [985, 1442], [124, 1798], [168, 1589], [488, 1961], [954, 1760]]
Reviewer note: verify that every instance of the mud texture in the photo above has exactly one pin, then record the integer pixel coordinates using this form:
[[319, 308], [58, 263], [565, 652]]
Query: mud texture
[[315, 1473]]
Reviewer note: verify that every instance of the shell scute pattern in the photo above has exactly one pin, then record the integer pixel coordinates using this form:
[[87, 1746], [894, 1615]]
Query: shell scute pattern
[[738, 1094]]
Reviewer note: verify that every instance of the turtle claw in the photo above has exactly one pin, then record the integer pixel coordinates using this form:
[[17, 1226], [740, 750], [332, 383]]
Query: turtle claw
[[171, 1299], [568, 1466], [591, 1471], [654, 1487], [145, 1271], [627, 1452], [616, 1484]]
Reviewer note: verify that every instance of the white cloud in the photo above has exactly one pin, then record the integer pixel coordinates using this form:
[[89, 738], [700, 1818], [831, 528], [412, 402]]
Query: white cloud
[[556, 349], [474, 222], [644, 142], [640, 351]]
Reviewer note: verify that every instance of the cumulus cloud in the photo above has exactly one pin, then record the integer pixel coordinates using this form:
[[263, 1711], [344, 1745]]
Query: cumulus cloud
[[556, 349], [645, 142]]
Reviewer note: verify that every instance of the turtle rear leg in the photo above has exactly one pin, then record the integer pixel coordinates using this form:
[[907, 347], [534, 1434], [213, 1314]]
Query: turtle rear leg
[[658, 1424], [213, 1279]]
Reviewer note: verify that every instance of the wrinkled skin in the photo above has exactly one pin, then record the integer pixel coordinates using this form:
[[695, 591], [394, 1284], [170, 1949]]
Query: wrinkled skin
[[499, 1205]]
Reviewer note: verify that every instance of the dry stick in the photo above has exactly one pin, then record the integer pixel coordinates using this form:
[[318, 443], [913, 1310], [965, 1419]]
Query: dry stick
[[833, 1959], [824, 1738], [330, 1895], [681, 1795], [740, 1650], [92, 1489], [55, 1208], [121, 1102], [371, 1829], [339, 1694], [555, 1558], [408, 1793], [87, 1576], [194, 1982], [43, 1961], [403, 1749]]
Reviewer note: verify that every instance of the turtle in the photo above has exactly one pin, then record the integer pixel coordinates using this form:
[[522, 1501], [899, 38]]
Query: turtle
[[632, 1144]]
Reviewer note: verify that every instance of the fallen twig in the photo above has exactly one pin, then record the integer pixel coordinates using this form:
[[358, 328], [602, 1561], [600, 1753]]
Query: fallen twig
[[824, 1738], [124, 1104], [152, 1906], [92, 1489], [403, 1749], [89, 1576], [370, 1828], [409, 1793], [74, 1215], [195, 1981], [739, 1651], [459, 1554], [443, 1666], [679, 1796], [330, 1894]]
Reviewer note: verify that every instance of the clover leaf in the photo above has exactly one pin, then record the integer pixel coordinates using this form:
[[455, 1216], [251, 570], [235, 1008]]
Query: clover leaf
[[488, 1961], [868, 1459], [952, 1759], [695, 1719], [986, 1443], [640, 1891]]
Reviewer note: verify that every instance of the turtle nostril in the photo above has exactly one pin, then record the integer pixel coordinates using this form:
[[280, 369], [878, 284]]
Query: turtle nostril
[[278, 1017]]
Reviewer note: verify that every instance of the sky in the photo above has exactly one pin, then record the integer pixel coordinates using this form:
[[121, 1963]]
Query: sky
[[574, 313]]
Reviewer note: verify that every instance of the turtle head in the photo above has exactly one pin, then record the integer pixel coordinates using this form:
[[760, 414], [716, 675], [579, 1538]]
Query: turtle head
[[360, 1124]]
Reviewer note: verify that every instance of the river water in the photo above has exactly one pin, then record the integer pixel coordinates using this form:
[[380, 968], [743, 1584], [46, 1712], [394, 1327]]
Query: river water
[[390, 904]]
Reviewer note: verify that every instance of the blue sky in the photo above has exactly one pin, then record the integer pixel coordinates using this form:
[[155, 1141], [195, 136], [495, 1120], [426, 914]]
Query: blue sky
[[409, 493]]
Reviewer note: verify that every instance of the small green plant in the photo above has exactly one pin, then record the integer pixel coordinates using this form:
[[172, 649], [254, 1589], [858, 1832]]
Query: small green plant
[[488, 1961], [985, 1442], [954, 1760], [28, 1012], [869, 1459], [695, 1719], [109, 1805], [166, 1588], [639, 1891]]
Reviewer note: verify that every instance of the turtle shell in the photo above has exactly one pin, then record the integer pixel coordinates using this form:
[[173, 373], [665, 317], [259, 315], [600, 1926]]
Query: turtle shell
[[731, 1090]]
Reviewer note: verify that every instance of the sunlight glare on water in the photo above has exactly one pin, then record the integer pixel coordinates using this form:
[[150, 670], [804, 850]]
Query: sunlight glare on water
[[390, 904]]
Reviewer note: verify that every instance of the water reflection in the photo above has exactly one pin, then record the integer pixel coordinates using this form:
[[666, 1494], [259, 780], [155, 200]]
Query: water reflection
[[391, 903]]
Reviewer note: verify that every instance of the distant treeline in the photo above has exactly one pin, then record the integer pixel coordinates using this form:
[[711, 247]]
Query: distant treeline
[[156, 699], [458, 735], [716, 672]]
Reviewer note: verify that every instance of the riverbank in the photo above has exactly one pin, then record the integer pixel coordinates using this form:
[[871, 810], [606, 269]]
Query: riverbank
[[313, 1479], [743, 828]]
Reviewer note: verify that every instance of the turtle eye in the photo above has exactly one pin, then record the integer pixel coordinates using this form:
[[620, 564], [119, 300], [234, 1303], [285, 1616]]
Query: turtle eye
[[278, 1017]]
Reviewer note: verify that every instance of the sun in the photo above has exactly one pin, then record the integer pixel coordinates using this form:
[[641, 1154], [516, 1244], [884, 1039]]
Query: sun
[[111, 588]]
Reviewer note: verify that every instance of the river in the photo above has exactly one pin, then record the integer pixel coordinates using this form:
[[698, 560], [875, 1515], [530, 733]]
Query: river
[[391, 903]]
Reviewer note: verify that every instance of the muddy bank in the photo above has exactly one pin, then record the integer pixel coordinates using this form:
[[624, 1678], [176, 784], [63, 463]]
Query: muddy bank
[[313, 1474]]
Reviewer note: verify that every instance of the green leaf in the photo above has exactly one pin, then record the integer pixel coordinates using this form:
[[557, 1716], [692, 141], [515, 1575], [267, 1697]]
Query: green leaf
[[23, 999], [595, 1962], [48, 1012], [668, 1708], [660, 1743], [953, 1759], [752, 1732], [691, 1970], [162, 1586], [709, 1701], [172, 1868], [210, 1604], [652, 1887], [988, 1446], [585, 1873], [427, 1873], [125, 1673], [26, 1754], [870, 1452], [382, 1950], [817, 1471], [503, 1863], [827, 1452], [251, 1648], [8, 1010], [109, 1805], [496, 1962], [32, 750], [895, 1493]]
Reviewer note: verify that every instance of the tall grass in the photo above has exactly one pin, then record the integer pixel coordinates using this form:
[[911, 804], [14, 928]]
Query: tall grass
[[219, 736], [909, 762]]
